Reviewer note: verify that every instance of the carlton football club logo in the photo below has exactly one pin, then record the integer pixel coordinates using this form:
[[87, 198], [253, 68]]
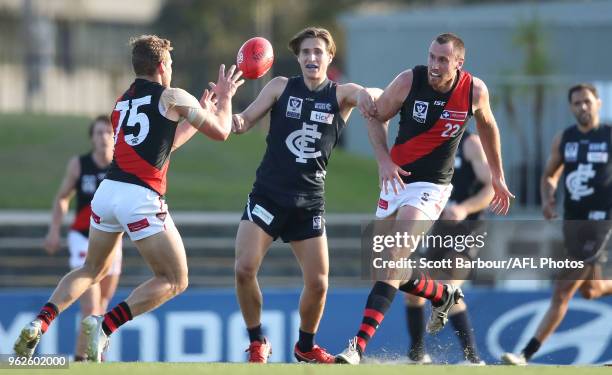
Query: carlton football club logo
[[419, 111], [576, 182], [300, 140]]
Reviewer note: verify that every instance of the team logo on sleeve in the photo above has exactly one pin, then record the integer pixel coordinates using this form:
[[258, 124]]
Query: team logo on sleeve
[[419, 111], [294, 107]]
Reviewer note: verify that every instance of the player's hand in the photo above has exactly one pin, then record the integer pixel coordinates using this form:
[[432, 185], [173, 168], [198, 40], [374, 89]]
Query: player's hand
[[389, 174], [501, 200], [208, 101], [227, 83], [366, 104], [238, 124], [454, 212], [52, 242], [549, 209]]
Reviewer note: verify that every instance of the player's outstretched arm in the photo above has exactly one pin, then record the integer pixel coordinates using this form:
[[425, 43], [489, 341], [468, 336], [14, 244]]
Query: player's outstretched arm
[[212, 115], [550, 179], [184, 130], [243, 122], [489, 136], [389, 102], [388, 172], [60, 205]]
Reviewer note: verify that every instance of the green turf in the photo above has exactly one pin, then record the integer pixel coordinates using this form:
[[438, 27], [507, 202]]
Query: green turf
[[308, 369], [204, 175]]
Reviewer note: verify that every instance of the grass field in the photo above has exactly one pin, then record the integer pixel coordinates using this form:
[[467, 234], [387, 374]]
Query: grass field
[[307, 369], [204, 175]]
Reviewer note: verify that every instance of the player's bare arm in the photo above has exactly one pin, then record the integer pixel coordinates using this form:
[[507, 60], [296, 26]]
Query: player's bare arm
[[243, 122], [389, 102], [348, 97], [489, 136], [60, 205], [184, 130], [388, 172], [474, 154], [550, 179]]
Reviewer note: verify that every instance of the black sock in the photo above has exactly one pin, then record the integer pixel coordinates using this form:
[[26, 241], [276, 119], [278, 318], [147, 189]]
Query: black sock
[[531, 348], [380, 299], [424, 286], [465, 333], [415, 318], [256, 334], [306, 341], [117, 317]]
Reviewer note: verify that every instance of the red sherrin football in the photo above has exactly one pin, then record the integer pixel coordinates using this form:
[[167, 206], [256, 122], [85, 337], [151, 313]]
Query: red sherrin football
[[255, 57]]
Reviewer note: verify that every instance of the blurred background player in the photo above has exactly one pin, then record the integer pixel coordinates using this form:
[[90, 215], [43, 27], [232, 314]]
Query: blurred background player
[[434, 102], [83, 176], [148, 125], [472, 192], [307, 116], [582, 153]]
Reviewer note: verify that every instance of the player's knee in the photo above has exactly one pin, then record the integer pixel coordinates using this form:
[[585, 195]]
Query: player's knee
[[317, 285], [179, 285], [96, 271], [589, 293], [244, 272]]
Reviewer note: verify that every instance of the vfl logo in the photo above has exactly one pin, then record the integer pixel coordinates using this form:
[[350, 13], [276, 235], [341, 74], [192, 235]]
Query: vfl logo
[[579, 338], [294, 107], [299, 140], [89, 183], [576, 182], [419, 111], [571, 151]]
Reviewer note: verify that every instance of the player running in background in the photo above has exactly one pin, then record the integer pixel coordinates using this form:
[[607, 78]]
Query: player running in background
[[472, 192], [147, 127], [434, 102], [582, 153], [307, 115], [83, 176]]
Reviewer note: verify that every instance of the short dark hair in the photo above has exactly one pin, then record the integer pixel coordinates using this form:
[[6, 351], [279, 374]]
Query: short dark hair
[[458, 45], [147, 53], [312, 32], [580, 87], [100, 118]]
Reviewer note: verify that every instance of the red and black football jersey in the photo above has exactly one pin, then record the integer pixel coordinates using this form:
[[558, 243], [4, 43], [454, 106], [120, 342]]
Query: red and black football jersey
[[89, 179], [143, 137], [430, 128]]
